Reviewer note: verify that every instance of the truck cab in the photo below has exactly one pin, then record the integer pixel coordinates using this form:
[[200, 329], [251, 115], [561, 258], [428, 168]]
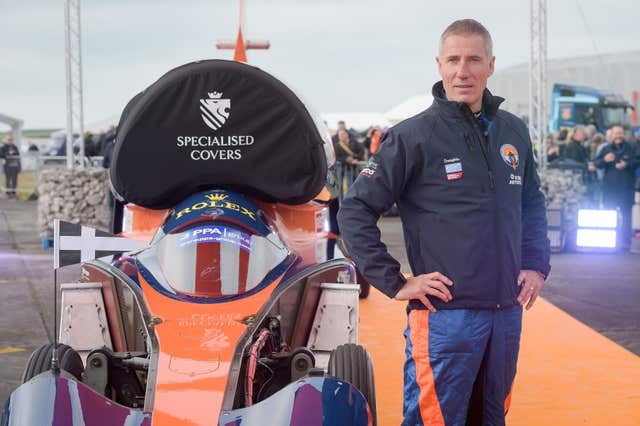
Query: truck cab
[[580, 105]]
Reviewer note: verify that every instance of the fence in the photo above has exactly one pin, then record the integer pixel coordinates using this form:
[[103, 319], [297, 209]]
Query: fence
[[346, 174], [32, 164]]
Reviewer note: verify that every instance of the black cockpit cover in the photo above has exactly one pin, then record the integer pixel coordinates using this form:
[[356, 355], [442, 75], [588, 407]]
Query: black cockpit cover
[[217, 124]]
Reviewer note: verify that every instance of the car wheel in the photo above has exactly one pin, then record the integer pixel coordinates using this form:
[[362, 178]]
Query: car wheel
[[352, 363], [40, 361]]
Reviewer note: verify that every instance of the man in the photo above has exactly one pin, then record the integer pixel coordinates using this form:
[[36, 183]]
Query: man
[[463, 176], [11, 155], [619, 161], [574, 149], [343, 126], [348, 153]]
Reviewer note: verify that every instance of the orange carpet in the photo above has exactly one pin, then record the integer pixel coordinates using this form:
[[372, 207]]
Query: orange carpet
[[568, 373]]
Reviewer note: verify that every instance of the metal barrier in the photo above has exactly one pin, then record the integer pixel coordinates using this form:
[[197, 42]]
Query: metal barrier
[[32, 165], [346, 175]]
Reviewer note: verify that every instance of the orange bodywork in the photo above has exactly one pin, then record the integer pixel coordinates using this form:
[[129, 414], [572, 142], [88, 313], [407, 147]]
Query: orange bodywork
[[197, 342], [141, 224]]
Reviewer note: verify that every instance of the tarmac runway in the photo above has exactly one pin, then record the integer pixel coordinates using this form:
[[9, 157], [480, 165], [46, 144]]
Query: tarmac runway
[[580, 355]]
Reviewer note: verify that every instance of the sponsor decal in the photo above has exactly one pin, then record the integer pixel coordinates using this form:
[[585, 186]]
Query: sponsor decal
[[215, 234], [515, 179], [322, 220], [211, 320], [453, 168], [214, 110], [216, 201], [370, 168], [509, 154]]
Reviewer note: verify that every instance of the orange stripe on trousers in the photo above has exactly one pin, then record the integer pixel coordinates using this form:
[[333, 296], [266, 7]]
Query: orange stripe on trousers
[[507, 401], [429, 405]]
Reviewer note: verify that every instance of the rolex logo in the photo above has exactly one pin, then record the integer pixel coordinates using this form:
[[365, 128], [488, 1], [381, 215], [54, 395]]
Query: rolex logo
[[214, 110], [216, 197]]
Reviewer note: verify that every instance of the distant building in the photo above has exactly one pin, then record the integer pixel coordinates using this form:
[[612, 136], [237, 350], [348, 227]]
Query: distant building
[[617, 72]]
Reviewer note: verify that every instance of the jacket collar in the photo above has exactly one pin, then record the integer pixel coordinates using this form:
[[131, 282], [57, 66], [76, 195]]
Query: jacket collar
[[490, 103]]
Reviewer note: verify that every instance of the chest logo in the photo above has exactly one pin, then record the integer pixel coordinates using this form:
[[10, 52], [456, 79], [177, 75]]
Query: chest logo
[[453, 168], [510, 155]]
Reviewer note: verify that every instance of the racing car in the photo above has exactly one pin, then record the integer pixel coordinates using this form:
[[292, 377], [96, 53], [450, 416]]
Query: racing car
[[235, 313]]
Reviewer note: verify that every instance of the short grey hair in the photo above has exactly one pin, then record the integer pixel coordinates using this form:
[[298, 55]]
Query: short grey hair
[[468, 27]]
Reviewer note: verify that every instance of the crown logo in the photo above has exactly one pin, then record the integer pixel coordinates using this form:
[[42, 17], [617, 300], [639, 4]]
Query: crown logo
[[216, 197], [215, 95]]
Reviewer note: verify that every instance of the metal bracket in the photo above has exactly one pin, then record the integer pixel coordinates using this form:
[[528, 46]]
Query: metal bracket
[[83, 322], [96, 374], [336, 320]]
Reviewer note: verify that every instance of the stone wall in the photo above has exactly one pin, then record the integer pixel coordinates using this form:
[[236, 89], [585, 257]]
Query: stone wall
[[78, 196]]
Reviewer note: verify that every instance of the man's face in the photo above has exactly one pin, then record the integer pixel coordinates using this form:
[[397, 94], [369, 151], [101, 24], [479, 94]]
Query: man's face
[[341, 126], [580, 135], [608, 135], [465, 67], [343, 135], [617, 133]]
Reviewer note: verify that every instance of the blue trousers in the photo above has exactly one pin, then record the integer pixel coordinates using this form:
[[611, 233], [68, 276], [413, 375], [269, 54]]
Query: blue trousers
[[452, 354]]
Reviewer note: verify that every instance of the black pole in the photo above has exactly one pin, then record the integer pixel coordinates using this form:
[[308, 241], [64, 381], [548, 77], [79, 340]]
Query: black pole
[[54, 353]]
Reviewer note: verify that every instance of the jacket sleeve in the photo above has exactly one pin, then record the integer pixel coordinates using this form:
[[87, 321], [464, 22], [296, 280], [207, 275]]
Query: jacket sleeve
[[634, 156], [536, 251], [375, 190], [600, 163]]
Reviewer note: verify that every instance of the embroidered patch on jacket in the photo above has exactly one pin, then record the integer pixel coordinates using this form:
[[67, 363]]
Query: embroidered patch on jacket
[[510, 155], [453, 168], [370, 168], [515, 179]]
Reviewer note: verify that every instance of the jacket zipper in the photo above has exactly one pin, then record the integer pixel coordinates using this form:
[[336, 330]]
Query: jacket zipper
[[492, 183]]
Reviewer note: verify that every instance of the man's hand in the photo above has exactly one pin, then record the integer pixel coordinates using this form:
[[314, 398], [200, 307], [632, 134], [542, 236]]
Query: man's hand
[[532, 283], [621, 164], [433, 284], [591, 167], [609, 157]]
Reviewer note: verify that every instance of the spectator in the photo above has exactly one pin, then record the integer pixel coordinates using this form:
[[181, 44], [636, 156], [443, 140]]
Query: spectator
[[608, 139], [106, 155], [574, 149], [348, 151], [373, 139], [596, 142], [11, 155], [619, 161], [553, 151], [343, 126], [562, 136]]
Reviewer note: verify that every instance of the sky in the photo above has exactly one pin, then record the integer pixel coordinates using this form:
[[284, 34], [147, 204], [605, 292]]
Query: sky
[[340, 55]]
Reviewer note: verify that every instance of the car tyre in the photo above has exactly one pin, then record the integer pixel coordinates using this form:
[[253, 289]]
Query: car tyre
[[40, 361], [352, 363]]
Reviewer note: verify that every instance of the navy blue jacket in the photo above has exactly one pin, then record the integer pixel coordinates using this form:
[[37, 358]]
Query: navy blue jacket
[[618, 185], [470, 204]]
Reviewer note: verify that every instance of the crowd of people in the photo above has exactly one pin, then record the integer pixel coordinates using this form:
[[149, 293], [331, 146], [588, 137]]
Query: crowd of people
[[352, 148], [611, 165]]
